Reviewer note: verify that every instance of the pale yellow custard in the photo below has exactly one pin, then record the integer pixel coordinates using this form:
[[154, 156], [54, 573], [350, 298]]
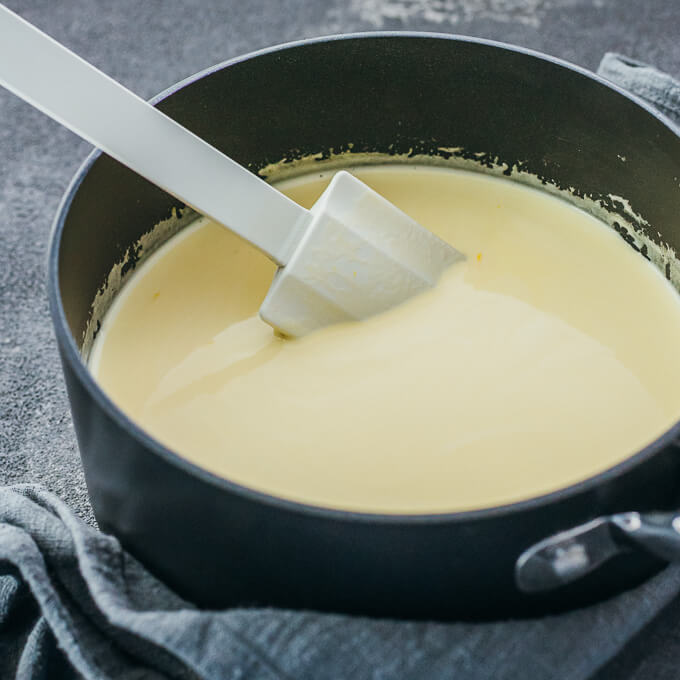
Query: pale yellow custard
[[548, 356]]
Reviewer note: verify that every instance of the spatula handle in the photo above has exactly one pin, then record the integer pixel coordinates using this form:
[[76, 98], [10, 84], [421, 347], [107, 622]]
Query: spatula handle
[[76, 94]]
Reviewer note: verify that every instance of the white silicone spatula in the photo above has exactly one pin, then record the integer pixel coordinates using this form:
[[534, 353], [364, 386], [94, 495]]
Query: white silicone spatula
[[351, 256]]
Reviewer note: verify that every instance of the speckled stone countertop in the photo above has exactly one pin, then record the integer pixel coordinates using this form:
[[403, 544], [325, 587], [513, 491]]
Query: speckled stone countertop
[[150, 45]]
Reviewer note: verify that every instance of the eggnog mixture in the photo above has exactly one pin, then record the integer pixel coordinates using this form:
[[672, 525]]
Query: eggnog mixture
[[548, 356]]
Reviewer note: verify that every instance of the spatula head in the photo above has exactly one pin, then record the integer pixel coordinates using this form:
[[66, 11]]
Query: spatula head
[[359, 256]]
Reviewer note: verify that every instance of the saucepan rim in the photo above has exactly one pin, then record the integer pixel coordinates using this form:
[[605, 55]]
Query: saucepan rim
[[72, 354]]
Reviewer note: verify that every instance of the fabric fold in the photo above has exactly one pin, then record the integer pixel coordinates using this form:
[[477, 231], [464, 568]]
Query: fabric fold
[[643, 80]]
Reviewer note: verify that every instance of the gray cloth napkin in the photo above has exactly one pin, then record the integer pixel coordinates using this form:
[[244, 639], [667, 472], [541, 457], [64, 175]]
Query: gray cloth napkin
[[67, 590], [73, 604], [645, 81]]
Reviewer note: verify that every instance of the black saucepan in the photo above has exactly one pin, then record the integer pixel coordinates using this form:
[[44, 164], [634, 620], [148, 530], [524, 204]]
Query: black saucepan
[[220, 544]]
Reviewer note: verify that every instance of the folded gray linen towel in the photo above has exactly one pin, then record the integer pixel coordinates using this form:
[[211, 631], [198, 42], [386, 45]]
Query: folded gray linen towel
[[645, 81], [74, 604]]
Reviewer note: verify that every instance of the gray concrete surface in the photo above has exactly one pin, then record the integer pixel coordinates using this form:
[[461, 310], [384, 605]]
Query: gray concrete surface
[[152, 44]]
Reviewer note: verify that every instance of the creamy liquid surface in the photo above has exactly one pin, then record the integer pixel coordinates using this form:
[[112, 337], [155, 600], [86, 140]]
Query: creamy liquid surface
[[546, 357]]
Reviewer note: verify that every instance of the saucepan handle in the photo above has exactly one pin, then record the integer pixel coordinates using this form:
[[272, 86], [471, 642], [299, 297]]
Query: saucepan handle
[[567, 556]]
